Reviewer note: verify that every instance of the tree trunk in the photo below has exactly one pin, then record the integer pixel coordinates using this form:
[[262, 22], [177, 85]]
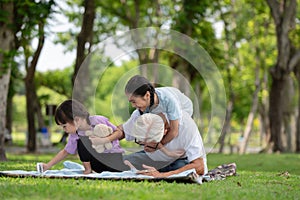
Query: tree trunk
[[283, 13], [31, 130], [6, 45], [265, 127], [4, 80], [298, 122], [9, 110], [31, 96], [297, 73], [81, 78], [263, 109], [276, 113], [38, 111], [226, 126], [288, 112]]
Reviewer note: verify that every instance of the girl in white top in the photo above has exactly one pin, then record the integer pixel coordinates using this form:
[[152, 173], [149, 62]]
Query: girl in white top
[[142, 95]]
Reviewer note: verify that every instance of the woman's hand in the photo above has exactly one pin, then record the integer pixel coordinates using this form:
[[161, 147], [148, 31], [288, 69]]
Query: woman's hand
[[150, 171]]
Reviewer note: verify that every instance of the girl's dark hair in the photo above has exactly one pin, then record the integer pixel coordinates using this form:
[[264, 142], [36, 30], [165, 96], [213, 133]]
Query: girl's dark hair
[[138, 86], [68, 110]]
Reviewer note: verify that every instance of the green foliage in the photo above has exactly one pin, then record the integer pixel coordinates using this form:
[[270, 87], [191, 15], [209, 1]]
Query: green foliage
[[45, 95], [294, 35], [107, 92], [51, 79], [3, 14], [49, 96], [252, 44], [15, 80], [19, 112], [7, 62]]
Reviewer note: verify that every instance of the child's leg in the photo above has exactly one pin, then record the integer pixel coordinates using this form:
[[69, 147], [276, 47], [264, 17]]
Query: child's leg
[[87, 167], [85, 157], [98, 166]]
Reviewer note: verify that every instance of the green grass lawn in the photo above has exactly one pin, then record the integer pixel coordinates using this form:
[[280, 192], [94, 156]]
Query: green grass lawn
[[259, 177]]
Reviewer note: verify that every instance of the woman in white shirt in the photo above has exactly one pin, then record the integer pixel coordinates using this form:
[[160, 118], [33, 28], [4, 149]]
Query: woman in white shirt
[[147, 99]]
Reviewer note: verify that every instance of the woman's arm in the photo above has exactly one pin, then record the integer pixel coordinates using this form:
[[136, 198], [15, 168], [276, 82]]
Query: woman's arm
[[174, 154], [197, 164], [172, 133], [59, 157]]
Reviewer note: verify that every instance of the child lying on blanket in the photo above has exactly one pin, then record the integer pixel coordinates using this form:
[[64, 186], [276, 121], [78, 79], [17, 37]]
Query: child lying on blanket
[[74, 118]]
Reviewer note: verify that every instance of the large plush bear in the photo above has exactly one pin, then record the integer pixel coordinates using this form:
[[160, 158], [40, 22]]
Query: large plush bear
[[101, 130]]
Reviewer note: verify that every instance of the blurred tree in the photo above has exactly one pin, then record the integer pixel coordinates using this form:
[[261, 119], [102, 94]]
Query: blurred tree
[[81, 79], [135, 14], [295, 36], [191, 20], [248, 46], [243, 53], [31, 19], [6, 46], [14, 83], [110, 18], [228, 12], [110, 99], [284, 15], [258, 49]]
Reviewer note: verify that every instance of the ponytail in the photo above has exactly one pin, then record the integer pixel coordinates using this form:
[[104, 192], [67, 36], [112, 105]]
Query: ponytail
[[152, 91]]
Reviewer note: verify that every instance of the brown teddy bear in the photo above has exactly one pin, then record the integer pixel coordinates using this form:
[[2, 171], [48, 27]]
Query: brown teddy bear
[[101, 130]]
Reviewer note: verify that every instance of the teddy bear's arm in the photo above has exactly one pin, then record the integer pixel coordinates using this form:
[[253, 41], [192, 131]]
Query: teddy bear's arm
[[108, 145]]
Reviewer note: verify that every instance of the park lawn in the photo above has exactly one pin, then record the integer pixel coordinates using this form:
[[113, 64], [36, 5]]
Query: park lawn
[[260, 176]]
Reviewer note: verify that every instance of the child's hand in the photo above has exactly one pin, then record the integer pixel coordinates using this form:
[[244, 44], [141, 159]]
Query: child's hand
[[97, 140], [41, 167], [45, 167]]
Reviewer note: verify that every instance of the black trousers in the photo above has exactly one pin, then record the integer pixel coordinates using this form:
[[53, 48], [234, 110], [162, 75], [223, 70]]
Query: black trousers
[[86, 156]]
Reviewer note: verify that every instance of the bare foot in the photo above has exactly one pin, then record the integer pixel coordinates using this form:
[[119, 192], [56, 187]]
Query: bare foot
[[132, 168]]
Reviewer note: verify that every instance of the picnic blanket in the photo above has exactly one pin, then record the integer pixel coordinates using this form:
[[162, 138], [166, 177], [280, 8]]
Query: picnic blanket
[[75, 170]]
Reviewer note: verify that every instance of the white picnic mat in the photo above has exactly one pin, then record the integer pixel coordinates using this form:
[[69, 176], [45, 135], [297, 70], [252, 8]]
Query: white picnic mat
[[75, 170]]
